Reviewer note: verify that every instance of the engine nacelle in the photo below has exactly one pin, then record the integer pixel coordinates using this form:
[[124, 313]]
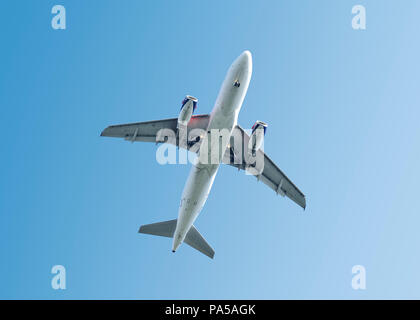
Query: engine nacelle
[[257, 137], [189, 104]]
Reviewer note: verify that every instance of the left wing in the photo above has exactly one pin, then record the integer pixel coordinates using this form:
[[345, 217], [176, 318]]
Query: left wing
[[149, 131], [266, 169]]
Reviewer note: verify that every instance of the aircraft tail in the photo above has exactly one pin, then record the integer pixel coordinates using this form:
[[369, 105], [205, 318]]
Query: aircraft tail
[[167, 229]]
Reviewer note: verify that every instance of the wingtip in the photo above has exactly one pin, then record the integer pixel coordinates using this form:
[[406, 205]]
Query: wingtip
[[104, 132]]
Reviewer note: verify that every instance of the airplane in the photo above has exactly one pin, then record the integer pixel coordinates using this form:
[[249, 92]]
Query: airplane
[[224, 116]]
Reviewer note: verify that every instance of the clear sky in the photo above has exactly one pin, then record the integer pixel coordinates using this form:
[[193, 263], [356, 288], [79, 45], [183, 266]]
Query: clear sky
[[343, 113]]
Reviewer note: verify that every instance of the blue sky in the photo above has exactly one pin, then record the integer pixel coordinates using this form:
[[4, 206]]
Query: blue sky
[[342, 108]]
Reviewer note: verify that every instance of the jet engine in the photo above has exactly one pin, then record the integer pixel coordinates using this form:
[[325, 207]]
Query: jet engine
[[188, 106], [257, 137]]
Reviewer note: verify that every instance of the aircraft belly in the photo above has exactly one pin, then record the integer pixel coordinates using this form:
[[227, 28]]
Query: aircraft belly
[[223, 117], [195, 195]]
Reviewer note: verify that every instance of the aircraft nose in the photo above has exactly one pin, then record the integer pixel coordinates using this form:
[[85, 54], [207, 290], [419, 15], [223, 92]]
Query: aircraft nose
[[245, 59], [246, 55]]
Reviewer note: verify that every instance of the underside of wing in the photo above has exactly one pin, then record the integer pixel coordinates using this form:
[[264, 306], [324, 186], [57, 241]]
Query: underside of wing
[[159, 131], [140, 131], [265, 169]]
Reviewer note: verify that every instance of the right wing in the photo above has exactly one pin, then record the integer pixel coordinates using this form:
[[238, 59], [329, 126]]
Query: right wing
[[148, 131], [265, 170]]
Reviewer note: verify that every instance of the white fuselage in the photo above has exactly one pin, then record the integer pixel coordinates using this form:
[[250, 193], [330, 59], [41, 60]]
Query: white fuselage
[[223, 116]]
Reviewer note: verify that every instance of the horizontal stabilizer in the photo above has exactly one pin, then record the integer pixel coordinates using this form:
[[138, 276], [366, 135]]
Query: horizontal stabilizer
[[167, 229], [163, 229], [196, 240]]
